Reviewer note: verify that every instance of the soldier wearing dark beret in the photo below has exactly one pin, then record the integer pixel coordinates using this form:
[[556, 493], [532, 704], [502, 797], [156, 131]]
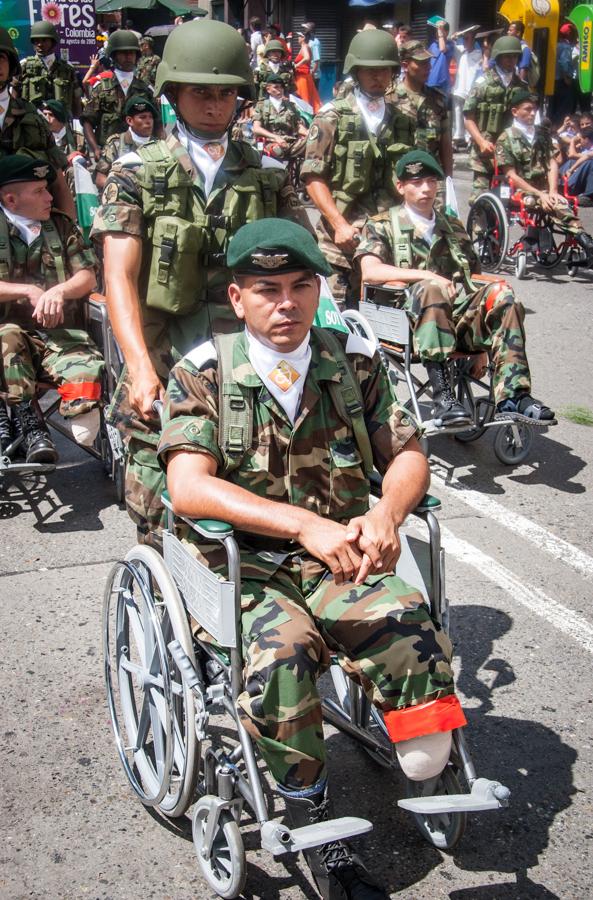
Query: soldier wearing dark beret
[[298, 488], [447, 310], [56, 115], [140, 115], [45, 273]]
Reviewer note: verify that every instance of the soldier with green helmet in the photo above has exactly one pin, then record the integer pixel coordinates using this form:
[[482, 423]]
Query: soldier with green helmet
[[149, 61], [317, 563], [140, 116], [278, 122], [487, 110], [103, 114], [45, 76], [275, 62], [168, 211], [432, 254], [353, 146], [23, 130]]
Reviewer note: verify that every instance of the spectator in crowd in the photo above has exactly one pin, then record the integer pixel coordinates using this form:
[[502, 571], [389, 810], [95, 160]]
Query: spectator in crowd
[[579, 167], [256, 38], [468, 65], [402, 34], [517, 29], [564, 99], [443, 51], [305, 85], [315, 47], [98, 69]]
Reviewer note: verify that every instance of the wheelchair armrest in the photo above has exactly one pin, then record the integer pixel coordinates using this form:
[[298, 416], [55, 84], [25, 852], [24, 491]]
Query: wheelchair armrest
[[484, 278], [95, 297], [208, 528]]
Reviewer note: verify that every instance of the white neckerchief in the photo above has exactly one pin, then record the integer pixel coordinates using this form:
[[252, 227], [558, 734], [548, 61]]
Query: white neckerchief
[[505, 77], [276, 103], [137, 138], [372, 109], [284, 374], [4, 101], [423, 226], [200, 157], [527, 131], [29, 229], [274, 66], [60, 135], [48, 60], [125, 79]]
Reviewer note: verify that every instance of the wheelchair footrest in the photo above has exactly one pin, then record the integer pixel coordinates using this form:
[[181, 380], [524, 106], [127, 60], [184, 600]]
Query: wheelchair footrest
[[485, 794], [278, 838], [25, 468]]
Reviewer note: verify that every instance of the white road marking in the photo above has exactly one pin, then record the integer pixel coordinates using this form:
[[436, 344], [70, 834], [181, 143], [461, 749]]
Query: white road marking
[[534, 599], [542, 538]]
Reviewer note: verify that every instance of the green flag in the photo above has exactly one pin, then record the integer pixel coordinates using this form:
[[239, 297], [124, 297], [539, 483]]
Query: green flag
[[87, 196], [328, 315], [582, 18]]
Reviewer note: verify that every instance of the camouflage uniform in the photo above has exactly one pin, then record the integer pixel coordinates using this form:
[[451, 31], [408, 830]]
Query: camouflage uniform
[[71, 142], [129, 206], [532, 162], [428, 111], [146, 68], [104, 109], [294, 615], [358, 170], [489, 318], [285, 70], [37, 83], [284, 121], [489, 102], [24, 130], [115, 146], [66, 355]]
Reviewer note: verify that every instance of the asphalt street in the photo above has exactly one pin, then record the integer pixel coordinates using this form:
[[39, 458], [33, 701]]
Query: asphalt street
[[519, 579]]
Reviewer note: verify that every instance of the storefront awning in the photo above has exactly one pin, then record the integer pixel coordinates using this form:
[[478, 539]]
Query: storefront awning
[[179, 7]]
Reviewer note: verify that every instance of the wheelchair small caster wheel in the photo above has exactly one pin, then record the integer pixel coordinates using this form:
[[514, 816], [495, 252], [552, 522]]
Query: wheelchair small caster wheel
[[506, 446], [442, 830], [521, 265], [224, 868]]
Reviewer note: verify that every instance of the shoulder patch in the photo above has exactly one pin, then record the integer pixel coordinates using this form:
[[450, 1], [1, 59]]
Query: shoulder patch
[[360, 345], [202, 354]]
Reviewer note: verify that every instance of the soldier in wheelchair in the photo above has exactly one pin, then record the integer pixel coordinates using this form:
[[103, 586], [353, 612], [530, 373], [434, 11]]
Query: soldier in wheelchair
[[45, 272], [291, 474], [422, 248]]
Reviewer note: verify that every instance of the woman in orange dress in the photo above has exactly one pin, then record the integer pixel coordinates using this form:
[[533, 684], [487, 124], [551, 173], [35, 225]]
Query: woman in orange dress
[[305, 86]]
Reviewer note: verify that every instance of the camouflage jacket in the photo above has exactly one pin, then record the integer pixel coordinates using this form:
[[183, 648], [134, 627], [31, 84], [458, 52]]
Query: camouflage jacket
[[284, 121], [36, 83], [242, 191], [104, 109], [530, 161], [25, 130], [71, 142], [115, 146], [146, 68], [378, 240], [358, 168], [285, 70], [489, 103], [428, 111], [314, 463], [36, 264]]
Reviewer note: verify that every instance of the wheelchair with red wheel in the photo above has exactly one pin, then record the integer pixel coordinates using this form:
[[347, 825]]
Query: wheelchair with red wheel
[[495, 212]]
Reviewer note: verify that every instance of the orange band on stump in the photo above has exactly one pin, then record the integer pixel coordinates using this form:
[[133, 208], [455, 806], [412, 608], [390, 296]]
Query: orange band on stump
[[443, 714], [80, 390]]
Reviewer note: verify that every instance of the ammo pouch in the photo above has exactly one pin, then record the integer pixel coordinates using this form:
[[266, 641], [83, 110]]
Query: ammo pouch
[[177, 273], [495, 118], [63, 91], [35, 89]]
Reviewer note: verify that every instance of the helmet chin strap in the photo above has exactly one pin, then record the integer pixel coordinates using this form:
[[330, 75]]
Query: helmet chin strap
[[202, 135]]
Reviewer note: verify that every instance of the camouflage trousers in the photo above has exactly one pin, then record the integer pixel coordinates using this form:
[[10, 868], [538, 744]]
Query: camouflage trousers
[[489, 319], [563, 217], [66, 357], [294, 618], [483, 170]]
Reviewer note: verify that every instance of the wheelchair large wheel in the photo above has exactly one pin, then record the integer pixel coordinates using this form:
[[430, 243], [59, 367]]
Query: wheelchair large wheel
[[443, 830], [479, 405], [488, 229], [507, 448], [152, 710], [224, 869]]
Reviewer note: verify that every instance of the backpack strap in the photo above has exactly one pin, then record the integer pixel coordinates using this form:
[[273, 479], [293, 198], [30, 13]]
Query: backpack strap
[[53, 242], [235, 407], [457, 254], [347, 397], [403, 257]]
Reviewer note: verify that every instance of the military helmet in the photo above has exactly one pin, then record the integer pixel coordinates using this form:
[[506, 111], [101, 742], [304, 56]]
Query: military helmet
[[274, 45], [373, 49], [205, 52], [506, 44], [44, 30], [7, 46], [122, 40]]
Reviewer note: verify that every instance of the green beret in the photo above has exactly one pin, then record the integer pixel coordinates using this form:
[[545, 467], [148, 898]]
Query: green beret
[[138, 104], [21, 167], [57, 108], [417, 164], [523, 95], [273, 247], [274, 78]]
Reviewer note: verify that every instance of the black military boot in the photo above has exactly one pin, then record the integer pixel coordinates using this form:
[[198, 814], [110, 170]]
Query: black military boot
[[338, 873], [5, 427], [444, 405], [586, 242], [39, 447]]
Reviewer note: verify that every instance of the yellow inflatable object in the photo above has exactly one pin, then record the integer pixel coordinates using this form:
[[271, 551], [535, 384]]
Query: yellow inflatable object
[[540, 18]]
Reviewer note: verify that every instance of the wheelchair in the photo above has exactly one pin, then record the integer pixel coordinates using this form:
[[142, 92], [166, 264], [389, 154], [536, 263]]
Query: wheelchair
[[388, 328], [163, 685], [496, 211], [107, 447]]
